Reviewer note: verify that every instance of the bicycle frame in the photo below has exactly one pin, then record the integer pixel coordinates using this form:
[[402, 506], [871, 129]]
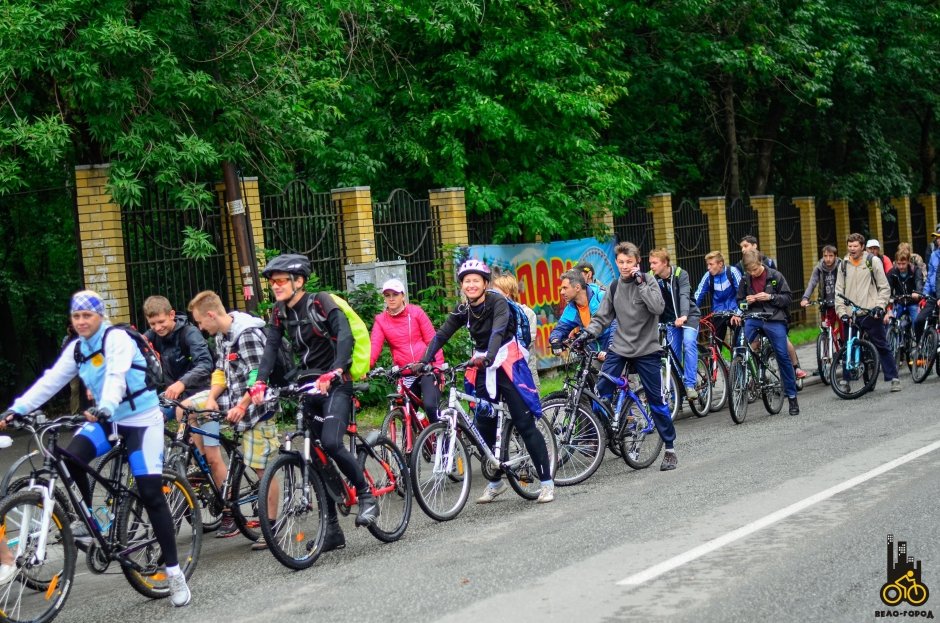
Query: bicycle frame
[[456, 418]]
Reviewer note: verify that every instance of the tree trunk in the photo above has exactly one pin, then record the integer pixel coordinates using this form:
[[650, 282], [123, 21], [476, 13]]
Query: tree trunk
[[927, 153], [765, 145], [733, 167]]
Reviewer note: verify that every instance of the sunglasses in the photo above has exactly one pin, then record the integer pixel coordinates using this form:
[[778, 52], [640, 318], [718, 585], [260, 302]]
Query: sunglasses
[[279, 281]]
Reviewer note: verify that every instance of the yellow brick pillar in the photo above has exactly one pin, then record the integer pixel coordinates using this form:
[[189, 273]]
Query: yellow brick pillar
[[840, 207], [663, 230], [716, 212], [602, 221], [102, 240], [358, 229], [930, 210], [903, 207], [763, 205], [874, 220], [807, 208], [252, 202], [451, 207]]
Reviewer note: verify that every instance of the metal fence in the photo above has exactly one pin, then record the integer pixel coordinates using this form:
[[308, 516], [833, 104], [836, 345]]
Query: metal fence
[[790, 253], [742, 221], [408, 229], [825, 226], [299, 220], [481, 229], [858, 219], [153, 252], [890, 231], [692, 243], [636, 225], [920, 228]]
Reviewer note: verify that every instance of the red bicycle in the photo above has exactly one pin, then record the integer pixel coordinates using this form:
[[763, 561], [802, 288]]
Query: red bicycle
[[717, 364], [405, 419]]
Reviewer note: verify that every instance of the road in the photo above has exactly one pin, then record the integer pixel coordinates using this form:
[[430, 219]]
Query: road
[[733, 525]]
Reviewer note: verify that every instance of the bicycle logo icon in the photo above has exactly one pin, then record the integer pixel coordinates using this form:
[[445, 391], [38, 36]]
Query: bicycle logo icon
[[903, 578]]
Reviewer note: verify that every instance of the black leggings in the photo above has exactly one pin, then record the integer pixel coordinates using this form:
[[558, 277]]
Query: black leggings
[[149, 487], [522, 419], [427, 389]]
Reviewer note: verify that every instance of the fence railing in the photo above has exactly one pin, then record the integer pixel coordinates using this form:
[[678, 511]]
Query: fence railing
[[635, 225], [408, 229]]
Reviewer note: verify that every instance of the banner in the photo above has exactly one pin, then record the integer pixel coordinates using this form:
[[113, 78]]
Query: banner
[[538, 267]]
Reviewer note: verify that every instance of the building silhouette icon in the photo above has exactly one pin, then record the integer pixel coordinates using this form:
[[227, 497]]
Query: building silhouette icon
[[898, 567]]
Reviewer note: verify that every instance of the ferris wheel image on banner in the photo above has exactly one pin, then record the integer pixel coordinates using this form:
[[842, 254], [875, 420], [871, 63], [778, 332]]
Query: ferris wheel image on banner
[[604, 271]]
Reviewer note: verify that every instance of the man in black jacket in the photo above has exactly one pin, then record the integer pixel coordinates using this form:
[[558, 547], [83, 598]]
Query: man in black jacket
[[184, 353]]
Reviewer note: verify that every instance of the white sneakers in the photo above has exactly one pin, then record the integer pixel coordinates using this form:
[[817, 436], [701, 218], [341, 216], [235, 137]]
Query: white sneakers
[[492, 491], [179, 591], [7, 573], [546, 494]]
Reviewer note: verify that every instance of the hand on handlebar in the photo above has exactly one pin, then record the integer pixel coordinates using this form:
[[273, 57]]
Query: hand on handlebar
[[418, 367], [257, 392], [480, 361], [97, 414], [7, 418]]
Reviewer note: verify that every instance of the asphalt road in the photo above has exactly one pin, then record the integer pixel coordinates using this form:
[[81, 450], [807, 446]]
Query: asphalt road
[[566, 561]]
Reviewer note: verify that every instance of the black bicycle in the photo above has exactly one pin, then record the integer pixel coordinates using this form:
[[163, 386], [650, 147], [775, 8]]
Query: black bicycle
[[35, 527]]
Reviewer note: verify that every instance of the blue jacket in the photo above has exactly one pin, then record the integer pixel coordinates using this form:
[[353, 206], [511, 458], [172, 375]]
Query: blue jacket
[[724, 293], [930, 286], [570, 319]]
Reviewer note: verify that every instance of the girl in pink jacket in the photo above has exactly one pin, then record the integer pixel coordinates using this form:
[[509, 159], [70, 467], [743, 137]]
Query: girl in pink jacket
[[408, 331]]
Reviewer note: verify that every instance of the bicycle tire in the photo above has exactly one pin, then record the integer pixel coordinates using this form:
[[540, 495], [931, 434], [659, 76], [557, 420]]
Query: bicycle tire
[[670, 393], [48, 595], [772, 392], [581, 441], [739, 399], [288, 538], [720, 385], [61, 498], [823, 357], [393, 427], [893, 340], [386, 472], [868, 374], [523, 478], [133, 524], [925, 352], [244, 506], [441, 496], [640, 442], [701, 406]]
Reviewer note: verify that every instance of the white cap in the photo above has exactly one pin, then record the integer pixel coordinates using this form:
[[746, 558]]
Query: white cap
[[395, 285], [872, 243]]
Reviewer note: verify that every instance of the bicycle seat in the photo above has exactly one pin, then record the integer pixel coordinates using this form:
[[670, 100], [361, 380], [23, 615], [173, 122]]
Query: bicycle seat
[[359, 388]]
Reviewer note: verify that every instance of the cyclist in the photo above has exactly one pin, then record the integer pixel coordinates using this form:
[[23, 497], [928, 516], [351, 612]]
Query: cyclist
[[874, 247], [764, 289], [931, 292], [749, 243], [906, 285], [680, 311], [635, 303], [114, 371], [408, 331], [862, 279], [322, 340], [582, 300], [507, 285], [497, 370], [824, 274], [239, 344], [722, 282], [587, 270]]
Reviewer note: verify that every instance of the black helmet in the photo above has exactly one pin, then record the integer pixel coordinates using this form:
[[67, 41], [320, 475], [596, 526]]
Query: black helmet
[[290, 263]]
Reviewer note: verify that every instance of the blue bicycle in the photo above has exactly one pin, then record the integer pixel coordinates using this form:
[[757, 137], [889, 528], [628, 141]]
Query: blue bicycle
[[855, 371]]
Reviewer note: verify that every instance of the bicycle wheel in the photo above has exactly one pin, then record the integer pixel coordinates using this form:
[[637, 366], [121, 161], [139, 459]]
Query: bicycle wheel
[[62, 502], [244, 496], [296, 536], [393, 427], [893, 340], [702, 405], [855, 370], [39, 589], [823, 357], [738, 377], [719, 379], [640, 442], [441, 493], [523, 477], [386, 472], [925, 351], [581, 441], [771, 383], [670, 384], [134, 531]]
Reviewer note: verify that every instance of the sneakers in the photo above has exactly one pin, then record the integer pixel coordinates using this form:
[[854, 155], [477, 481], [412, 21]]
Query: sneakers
[[800, 373], [546, 494], [895, 385], [7, 573], [179, 591], [227, 528], [81, 535], [492, 491], [259, 545], [794, 406], [691, 393], [334, 538], [368, 510], [670, 461]]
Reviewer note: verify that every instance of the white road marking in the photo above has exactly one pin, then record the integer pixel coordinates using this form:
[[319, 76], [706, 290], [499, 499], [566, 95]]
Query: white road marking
[[706, 548]]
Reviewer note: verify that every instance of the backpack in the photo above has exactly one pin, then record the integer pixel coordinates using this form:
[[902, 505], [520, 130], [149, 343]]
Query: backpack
[[152, 368], [868, 265], [523, 328], [362, 342], [285, 366]]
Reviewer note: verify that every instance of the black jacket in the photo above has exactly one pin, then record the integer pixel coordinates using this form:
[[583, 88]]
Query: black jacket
[[778, 289], [184, 355], [904, 287]]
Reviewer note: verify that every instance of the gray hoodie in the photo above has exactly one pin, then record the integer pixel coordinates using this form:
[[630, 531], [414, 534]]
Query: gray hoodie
[[636, 308]]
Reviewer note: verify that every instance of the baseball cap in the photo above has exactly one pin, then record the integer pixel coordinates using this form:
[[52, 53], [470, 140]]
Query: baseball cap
[[936, 231], [872, 243], [395, 285], [583, 266]]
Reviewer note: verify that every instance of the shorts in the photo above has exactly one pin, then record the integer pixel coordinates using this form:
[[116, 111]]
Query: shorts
[[260, 444], [198, 401]]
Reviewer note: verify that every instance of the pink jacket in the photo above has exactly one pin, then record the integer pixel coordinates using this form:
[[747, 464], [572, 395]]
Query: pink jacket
[[408, 335]]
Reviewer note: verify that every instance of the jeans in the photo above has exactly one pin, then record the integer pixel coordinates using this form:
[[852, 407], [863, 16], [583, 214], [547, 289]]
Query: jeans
[[648, 367], [687, 351], [776, 332], [875, 330]]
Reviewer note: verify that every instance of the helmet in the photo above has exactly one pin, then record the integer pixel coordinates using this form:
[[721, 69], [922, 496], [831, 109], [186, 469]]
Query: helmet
[[290, 263], [474, 267]]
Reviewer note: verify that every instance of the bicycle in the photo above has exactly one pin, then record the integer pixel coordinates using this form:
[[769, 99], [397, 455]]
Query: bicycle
[[37, 529], [857, 361], [716, 363], [827, 345], [672, 375], [754, 373], [899, 334], [307, 475], [924, 353], [445, 472], [893, 593], [404, 421], [238, 494]]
